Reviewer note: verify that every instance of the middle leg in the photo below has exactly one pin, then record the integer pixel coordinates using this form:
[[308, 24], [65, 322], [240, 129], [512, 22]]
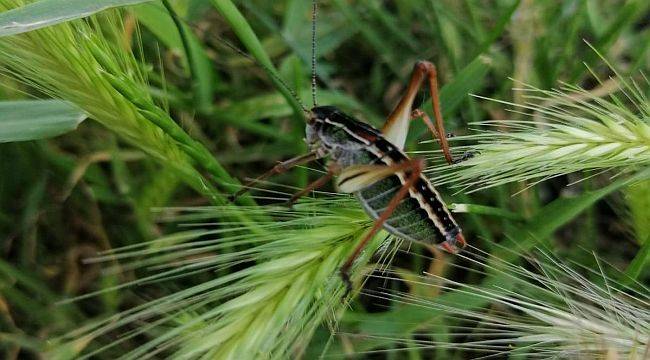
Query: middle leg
[[277, 169], [332, 170]]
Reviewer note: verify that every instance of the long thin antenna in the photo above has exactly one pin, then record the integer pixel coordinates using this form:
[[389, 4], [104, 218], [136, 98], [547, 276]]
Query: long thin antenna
[[313, 52]]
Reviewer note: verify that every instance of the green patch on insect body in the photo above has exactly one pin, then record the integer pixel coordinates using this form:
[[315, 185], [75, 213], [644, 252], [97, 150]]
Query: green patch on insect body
[[407, 218]]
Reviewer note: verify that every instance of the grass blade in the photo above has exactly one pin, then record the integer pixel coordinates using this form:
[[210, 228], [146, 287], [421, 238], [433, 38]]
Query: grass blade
[[639, 265], [50, 12], [246, 35], [37, 119]]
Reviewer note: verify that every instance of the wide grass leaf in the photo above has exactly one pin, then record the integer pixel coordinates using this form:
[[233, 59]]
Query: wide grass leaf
[[45, 13], [37, 119]]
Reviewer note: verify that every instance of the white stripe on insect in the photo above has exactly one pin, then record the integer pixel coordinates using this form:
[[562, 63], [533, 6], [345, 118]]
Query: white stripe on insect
[[424, 205]]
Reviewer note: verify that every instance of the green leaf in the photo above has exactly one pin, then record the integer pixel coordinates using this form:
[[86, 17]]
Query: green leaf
[[639, 264], [45, 13], [637, 199], [37, 119], [468, 79], [558, 213]]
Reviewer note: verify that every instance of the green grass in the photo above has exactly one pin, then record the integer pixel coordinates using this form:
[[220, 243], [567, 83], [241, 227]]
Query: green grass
[[117, 239]]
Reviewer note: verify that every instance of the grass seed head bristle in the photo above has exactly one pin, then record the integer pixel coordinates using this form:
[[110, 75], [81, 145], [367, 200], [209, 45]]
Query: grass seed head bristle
[[553, 311], [85, 62], [288, 282], [571, 130]]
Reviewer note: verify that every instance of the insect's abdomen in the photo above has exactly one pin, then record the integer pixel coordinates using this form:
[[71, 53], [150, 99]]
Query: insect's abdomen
[[409, 220], [421, 215]]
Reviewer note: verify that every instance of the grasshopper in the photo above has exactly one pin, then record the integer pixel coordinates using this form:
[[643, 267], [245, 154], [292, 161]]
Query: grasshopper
[[371, 164]]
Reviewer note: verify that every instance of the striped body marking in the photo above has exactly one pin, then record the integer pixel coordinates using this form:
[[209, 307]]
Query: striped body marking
[[371, 164], [422, 216]]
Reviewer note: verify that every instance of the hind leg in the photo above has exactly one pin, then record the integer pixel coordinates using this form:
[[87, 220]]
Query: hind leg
[[397, 125], [413, 168]]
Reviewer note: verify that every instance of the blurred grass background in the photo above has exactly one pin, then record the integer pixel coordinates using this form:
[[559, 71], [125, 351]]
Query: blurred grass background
[[65, 199]]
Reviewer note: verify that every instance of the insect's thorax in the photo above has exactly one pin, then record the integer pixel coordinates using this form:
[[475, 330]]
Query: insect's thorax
[[422, 216], [345, 140]]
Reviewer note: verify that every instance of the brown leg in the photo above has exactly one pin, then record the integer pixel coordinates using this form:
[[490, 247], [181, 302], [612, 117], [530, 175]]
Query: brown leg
[[332, 170], [277, 169], [419, 114], [437, 113], [396, 126], [416, 166]]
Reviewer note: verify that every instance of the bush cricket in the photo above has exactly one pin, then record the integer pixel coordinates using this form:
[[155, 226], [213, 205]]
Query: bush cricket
[[371, 164]]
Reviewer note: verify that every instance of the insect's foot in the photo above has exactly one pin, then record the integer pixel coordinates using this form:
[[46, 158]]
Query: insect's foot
[[450, 248], [466, 156], [289, 204], [232, 197], [416, 114], [345, 276]]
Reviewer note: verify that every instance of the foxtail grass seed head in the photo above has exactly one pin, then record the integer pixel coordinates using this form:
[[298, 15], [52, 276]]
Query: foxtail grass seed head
[[86, 63], [287, 284], [259, 289], [569, 130], [552, 311]]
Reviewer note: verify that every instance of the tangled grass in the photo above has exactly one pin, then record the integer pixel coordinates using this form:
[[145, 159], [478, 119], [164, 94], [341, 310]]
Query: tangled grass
[[87, 64], [288, 286], [547, 309], [231, 284]]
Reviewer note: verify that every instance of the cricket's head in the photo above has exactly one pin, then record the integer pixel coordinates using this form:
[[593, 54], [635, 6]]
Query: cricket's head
[[319, 114], [317, 122], [328, 127]]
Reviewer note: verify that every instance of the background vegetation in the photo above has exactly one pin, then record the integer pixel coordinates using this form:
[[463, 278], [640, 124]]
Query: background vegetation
[[174, 126]]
